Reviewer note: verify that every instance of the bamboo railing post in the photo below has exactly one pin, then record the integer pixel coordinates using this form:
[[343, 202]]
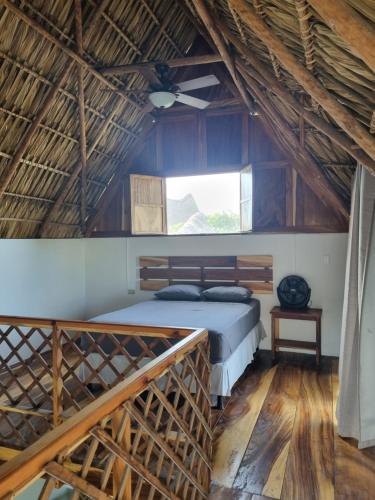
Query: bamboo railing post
[[121, 429], [57, 381]]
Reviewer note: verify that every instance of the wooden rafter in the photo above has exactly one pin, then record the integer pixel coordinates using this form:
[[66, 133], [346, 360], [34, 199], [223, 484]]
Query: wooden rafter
[[62, 91], [76, 170], [68, 51], [24, 142], [116, 180], [265, 78], [75, 173], [303, 162], [222, 48], [219, 69], [176, 62], [82, 119], [337, 111], [161, 26], [275, 65], [350, 26]]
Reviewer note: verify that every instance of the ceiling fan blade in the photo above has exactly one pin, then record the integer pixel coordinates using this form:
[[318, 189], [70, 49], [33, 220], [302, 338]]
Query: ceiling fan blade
[[198, 83], [192, 101]]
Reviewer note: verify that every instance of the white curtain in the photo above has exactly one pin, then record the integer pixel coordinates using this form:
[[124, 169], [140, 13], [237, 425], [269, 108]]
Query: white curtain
[[356, 404]]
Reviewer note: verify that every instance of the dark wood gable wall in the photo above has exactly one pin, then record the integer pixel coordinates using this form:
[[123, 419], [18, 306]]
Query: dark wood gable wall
[[224, 140]]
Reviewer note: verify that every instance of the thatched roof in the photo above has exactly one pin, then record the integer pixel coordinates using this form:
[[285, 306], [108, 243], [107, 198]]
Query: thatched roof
[[38, 43]]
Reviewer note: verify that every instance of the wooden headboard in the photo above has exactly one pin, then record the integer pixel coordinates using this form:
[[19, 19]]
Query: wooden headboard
[[251, 271]]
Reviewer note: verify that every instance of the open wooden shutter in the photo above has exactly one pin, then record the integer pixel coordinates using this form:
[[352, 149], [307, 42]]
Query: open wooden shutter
[[246, 195], [148, 204]]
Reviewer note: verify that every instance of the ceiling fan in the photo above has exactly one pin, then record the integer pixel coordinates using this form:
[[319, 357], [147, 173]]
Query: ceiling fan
[[163, 93]]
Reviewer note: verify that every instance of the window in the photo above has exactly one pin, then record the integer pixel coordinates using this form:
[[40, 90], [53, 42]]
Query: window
[[204, 204]]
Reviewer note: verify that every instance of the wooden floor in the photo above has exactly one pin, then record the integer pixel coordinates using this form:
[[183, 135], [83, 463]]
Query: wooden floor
[[276, 437]]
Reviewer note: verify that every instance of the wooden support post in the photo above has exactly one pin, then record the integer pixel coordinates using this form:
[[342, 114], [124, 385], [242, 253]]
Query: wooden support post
[[222, 48], [261, 73], [121, 433], [358, 33], [82, 120], [57, 382], [337, 111]]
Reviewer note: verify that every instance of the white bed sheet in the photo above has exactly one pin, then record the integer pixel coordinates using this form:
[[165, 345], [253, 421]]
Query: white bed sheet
[[223, 375]]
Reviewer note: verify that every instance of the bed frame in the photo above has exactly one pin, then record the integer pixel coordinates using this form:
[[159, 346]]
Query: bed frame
[[251, 271]]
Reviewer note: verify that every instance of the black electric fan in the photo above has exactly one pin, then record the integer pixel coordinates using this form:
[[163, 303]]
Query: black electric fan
[[293, 292]]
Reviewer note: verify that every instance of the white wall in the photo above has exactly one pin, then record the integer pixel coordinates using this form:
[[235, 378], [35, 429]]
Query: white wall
[[42, 278], [106, 275], [111, 272], [83, 278]]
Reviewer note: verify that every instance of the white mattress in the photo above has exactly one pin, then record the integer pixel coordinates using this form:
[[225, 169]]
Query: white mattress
[[223, 375]]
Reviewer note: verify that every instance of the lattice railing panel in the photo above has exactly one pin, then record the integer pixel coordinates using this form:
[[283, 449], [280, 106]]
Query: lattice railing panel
[[26, 384], [51, 370], [156, 444]]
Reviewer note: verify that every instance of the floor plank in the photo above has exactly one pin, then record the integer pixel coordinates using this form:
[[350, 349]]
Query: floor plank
[[354, 468], [222, 493], [262, 468], [274, 455], [310, 466], [237, 423]]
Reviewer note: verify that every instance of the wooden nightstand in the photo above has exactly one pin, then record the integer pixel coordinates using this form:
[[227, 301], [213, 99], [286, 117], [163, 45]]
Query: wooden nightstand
[[305, 314]]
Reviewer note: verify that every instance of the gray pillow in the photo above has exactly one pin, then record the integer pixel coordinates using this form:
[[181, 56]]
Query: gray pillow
[[227, 294], [180, 292]]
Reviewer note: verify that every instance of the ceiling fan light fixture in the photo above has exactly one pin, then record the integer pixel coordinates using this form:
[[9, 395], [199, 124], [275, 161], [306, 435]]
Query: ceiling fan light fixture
[[162, 99]]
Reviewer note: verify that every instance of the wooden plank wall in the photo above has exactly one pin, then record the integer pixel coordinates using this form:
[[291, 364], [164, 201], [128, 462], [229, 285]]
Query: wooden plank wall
[[224, 140]]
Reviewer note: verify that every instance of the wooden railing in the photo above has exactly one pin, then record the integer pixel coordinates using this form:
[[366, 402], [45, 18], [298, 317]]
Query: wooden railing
[[147, 434]]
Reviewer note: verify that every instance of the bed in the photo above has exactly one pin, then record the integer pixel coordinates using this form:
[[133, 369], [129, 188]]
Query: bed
[[234, 330]]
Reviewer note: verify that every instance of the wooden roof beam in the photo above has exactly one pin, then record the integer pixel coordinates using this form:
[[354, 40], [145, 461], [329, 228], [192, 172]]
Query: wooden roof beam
[[338, 112], [358, 33], [177, 62], [222, 49], [82, 118], [266, 78]]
